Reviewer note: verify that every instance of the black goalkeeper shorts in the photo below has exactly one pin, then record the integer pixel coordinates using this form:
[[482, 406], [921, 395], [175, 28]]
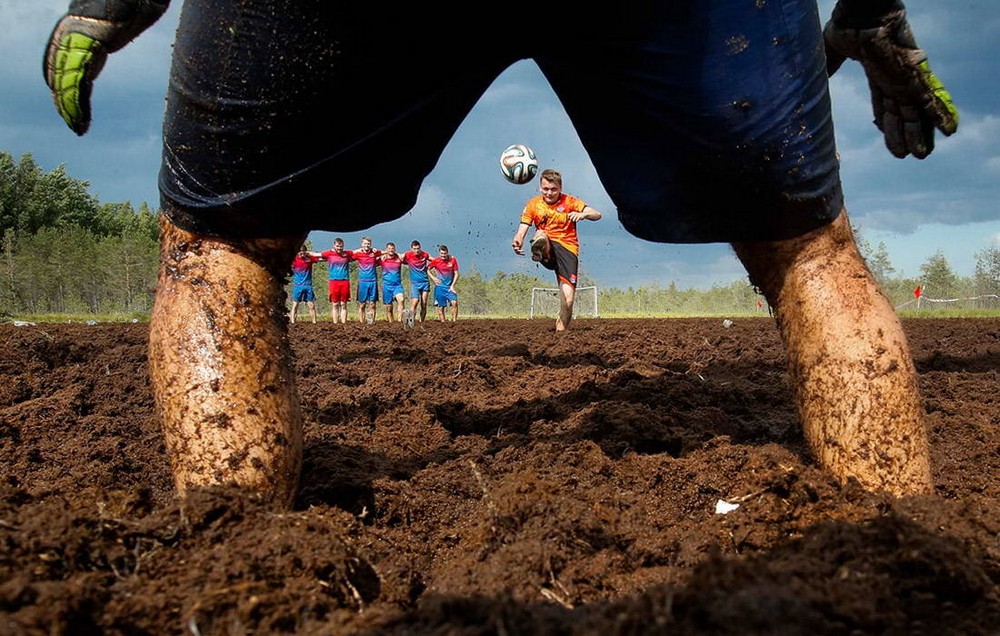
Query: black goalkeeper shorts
[[707, 121]]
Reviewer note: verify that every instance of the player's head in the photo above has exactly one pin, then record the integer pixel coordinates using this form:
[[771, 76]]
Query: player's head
[[415, 246], [366, 242], [443, 251], [390, 247], [550, 185], [338, 244]]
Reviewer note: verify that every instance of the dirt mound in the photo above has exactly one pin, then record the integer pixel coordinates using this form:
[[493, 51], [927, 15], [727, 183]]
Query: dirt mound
[[493, 477]]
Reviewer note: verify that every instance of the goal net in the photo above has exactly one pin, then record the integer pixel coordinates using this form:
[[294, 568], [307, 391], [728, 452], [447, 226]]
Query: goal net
[[545, 302]]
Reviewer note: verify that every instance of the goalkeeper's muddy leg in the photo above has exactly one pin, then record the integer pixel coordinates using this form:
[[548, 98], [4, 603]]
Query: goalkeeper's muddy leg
[[851, 371], [220, 363]]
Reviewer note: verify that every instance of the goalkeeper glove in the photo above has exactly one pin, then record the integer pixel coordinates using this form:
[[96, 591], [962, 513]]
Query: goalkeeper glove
[[908, 100], [80, 44]]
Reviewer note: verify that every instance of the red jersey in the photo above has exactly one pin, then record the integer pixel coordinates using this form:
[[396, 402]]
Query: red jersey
[[302, 269], [367, 262], [445, 269], [339, 263]]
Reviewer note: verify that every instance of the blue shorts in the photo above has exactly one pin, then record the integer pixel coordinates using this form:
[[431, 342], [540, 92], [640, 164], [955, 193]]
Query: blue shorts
[[419, 287], [390, 291], [707, 121], [303, 294], [367, 291], [443, 296]]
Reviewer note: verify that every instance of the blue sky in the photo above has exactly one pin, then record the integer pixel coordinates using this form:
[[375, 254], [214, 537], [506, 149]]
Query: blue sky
[[948, 203]]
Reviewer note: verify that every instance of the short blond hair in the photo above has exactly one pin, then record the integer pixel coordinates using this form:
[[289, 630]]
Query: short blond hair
[[552, 175]]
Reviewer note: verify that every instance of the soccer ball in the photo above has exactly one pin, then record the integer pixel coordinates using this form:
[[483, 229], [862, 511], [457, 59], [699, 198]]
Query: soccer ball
[[518, 164]]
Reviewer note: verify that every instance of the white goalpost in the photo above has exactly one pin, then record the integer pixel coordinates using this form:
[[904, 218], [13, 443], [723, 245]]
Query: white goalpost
[[545, 302]]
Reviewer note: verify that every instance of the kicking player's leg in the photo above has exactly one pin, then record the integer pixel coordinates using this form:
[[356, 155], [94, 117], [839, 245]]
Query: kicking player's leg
[[567, 294], [567, 266], [220, 363], [851, 371]]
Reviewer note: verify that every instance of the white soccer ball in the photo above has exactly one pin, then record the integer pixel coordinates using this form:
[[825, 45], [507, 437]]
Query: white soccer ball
[[518, 164]]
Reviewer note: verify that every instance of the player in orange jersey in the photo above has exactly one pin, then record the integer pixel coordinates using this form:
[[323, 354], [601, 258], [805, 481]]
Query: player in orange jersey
[[556, 244]]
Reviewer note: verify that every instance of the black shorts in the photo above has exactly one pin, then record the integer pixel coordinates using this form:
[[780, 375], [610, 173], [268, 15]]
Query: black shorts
[[707, 121], [564, 263]]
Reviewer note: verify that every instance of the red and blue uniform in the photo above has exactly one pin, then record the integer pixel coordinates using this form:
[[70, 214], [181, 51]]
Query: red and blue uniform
[[339, 263], [417, 262], [446, 270], [340, 274], [302, 285], [392, 278], [368, 263]]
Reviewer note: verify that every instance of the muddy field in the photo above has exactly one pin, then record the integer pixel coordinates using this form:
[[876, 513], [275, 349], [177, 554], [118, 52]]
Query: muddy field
[[493, 477]]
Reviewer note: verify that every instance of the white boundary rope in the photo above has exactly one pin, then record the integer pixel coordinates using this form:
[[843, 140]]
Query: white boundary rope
[[924, 299]]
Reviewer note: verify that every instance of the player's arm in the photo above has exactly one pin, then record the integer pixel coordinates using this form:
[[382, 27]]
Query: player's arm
[[586, 214], [79, 46], [518, 242], [908, 100]]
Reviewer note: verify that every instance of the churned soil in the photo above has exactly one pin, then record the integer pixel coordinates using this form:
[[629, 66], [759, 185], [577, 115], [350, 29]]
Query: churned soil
[[494, 477]]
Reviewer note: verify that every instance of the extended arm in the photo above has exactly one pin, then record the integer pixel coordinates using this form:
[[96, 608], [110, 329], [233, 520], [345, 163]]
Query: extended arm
[[586, 214], [518, 242], [79, 46]]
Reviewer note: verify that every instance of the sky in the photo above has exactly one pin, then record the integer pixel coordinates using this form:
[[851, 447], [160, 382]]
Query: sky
[[948, 203]]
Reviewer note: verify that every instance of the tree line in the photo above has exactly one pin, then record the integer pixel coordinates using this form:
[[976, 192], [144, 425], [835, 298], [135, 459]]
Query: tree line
[[63, 251]]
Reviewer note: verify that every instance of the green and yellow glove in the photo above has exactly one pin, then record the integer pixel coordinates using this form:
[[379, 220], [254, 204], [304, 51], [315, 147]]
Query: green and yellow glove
[[908, 100], [80, 44]]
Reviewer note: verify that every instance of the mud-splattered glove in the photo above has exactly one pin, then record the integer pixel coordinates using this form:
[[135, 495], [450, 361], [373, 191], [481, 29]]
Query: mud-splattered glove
[[908, 100], [80, 44]]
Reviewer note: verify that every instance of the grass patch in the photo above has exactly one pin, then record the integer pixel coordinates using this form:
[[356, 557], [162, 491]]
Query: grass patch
[[80, 318]]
